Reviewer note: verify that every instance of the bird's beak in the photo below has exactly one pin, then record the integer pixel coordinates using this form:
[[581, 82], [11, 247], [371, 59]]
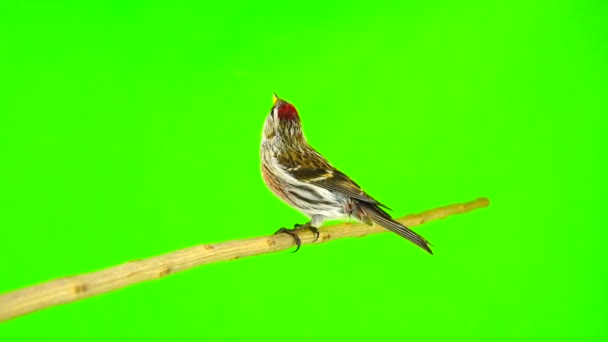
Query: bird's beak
[[275, 99]]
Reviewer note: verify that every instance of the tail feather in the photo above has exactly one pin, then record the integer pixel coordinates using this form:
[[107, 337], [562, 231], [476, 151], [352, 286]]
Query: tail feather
[[381, 218]]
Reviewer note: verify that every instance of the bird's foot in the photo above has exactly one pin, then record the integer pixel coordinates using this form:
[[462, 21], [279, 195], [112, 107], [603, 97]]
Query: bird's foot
[[308, 226], [294, 233], [315, 231]]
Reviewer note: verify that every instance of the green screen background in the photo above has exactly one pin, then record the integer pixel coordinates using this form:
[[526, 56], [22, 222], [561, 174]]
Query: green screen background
[[131, 129]]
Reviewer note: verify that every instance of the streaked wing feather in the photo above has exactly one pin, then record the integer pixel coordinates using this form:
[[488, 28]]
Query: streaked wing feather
[[311, 167], [334, 180]]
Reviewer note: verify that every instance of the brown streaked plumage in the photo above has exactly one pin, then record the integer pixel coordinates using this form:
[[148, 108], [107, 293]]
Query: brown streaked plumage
[[304, 179]]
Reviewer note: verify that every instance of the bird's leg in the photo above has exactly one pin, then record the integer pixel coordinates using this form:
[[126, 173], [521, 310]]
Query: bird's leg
[[294, 233]]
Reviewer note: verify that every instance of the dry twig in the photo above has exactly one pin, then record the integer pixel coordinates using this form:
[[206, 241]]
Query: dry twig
[[70, 289]]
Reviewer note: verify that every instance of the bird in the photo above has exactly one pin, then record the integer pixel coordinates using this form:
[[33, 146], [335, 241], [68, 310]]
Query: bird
[[300, 176]]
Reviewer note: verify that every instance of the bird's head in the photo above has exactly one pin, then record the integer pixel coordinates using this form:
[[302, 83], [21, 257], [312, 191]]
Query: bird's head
[[283, 110], [283, 122]]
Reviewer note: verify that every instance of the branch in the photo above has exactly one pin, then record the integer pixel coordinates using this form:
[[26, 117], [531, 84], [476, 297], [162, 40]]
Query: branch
[[70, 289]]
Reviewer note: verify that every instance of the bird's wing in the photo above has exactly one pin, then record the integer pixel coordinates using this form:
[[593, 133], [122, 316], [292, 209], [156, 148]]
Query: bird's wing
[[324, 175]]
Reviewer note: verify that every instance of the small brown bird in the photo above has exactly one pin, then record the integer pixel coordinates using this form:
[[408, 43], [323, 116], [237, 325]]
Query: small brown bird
[[304, 179]]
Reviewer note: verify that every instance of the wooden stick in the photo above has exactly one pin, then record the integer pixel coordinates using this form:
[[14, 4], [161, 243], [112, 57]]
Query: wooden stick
[[70, 289]]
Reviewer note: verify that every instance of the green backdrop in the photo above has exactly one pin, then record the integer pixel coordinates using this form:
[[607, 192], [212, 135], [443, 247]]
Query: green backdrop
[[131, 129]]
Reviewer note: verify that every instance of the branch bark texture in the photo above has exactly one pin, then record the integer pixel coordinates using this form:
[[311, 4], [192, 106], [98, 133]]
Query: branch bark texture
[[70, 289]]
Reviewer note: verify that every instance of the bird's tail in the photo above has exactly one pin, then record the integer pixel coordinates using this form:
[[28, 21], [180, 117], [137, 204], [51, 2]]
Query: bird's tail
[[370, 212]]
